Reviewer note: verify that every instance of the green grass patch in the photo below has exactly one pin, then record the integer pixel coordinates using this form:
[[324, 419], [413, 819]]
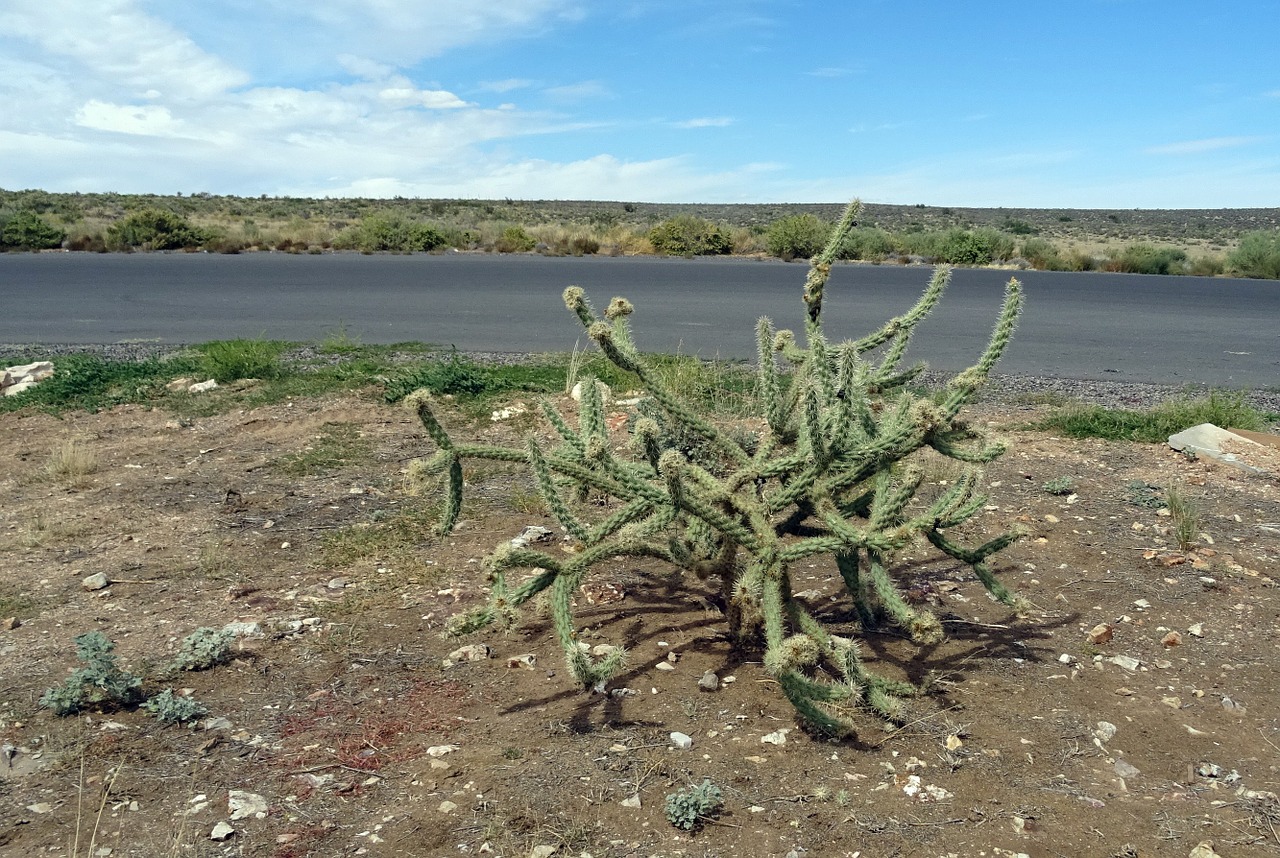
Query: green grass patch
[[231, 360], [337, 445], [90, 383], [1154, 425]]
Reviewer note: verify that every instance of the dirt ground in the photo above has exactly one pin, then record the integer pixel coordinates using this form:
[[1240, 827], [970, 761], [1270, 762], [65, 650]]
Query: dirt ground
[[1161, 734]]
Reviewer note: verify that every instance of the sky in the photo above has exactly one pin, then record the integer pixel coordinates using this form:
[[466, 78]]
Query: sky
[[1016, 103]]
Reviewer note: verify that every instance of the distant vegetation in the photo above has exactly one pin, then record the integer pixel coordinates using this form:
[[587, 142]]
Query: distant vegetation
[[1207, 242]]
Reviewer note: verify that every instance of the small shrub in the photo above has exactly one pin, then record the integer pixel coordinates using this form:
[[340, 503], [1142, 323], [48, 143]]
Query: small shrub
[[100, 683], [71, 463], [1258, 255], [1143, 494], [797, 237], [1154, 425], [514, 240], [202, 649], [1041, 254], [174, 708], [453, 376], [691, 806], [1059, 486], [871, 244], [154, 229], [230, 360], [391, 232], [687, 235], [26, 230], [1149, 259], [1207, 266]]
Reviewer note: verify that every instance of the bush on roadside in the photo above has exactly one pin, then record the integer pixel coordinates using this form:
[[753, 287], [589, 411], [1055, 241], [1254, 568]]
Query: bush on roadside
[[1148, 259], [26, 230], [231, 360], [514, 240], [155, 229], [687, 235], [1042, 255], [797, 237], [867, 243], [393, 232], [1257, 256]]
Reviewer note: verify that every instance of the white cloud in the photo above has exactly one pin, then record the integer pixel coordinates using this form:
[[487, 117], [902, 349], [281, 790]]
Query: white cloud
[[583, 91], [508, 85], [147, 120], [1197, 147], [705, 122], [436, 99]]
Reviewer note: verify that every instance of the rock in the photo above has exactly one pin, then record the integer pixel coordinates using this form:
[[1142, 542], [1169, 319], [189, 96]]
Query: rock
[[632, 801], [777, 737], [339, 583], [1232, 706], [242, 805], [708, 682], [244, 630], [471, 652], [221, 831], [202, 386], [603, 650], [179, 384], [526, 660], [1128, 662], [606, 393], [1126, 769], [447, 807], [543, 851], [1197, 629], [40, 807], [1105, 731], [1100, 634], [1204, 849], [17, 379], [507, 413], [441, 750], [531, 534], [1209, 440], [8, 624], [1171, 639], [682, 741], [954, 743], [217, 722], [665, 665], [96, 581]]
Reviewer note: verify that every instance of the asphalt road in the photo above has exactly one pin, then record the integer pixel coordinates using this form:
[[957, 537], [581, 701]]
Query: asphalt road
[[1105, 326]]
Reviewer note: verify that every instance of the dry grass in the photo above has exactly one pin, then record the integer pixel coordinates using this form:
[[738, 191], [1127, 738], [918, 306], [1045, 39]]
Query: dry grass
[[71, 463]]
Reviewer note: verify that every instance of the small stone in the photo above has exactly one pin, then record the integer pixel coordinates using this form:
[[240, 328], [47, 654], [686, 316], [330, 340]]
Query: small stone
[[471, 652], [1171, 702], [447, 807], [1232, 706], [221, 831], [8, 624], [603, 650], [202, 386], [709, 681], [1172, 639], [1100, 634], [1197, 629], [777, 737], [1066, 658], [218, 722], [682, 741], [339, 583], [244, 630], [526, 660], [666, 665], [1125, 692], [1142, 604], [543, 851], [441, 750], [1126, 769], [242, 805], [954, 743], [632, 801], [1209, 770], [40, 807], [1105, 731], [1128, 662], [1204, 849], [96, 581]]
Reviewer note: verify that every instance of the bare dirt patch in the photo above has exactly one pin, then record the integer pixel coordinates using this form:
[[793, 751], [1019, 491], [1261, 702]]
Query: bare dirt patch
[[341, 714]]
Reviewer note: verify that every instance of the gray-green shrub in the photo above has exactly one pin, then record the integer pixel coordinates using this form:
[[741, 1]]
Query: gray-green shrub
[[155, 229], [686, 235], [101, 682], [1258, 255], [26, 230], [797, 237]]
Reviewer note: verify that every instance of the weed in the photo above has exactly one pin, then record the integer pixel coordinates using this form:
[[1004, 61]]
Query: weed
[[173, 708], [101, 682], [1059, 485], [1185, 517], [1143, 495], [202, 649], [512, 753], [230, 360], [689, 807]]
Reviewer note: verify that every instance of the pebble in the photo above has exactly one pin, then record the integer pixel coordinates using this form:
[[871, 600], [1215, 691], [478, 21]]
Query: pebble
[[96, 581], [1126, 769], [242, 805], [632, 801], [221, 831], [1105, 731], [681, 741], [709, 681], [777, 737]]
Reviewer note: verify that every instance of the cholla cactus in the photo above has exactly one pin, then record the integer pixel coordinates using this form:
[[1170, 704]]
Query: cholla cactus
[[830, 474]]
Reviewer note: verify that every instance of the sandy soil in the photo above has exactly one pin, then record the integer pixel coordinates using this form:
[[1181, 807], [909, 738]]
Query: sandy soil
[[341, 714]]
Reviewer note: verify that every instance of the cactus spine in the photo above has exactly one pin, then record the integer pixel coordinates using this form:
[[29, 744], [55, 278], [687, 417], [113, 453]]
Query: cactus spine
[[829, 474]]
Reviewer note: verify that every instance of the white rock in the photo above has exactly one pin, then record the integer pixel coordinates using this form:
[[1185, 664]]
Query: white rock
[[526, 660], [202, 386], [40, 807], [532, 533], [1126, 769], [777, 737], [1128, 662], [1105, 731], [1204, 849], [632, 801], [666, 665], [471, 652], [681, 741], [243, 805], [96, 581], [447, 807], [543, 851], [709, 681], [441, 750], [221, 831]]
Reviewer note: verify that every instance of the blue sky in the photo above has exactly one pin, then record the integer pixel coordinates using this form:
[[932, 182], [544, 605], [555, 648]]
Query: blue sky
[[1091, 103]]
